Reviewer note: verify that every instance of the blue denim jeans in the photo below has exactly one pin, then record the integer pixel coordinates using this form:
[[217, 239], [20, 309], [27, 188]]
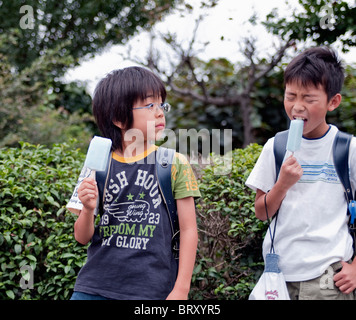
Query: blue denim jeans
[[86, 296]]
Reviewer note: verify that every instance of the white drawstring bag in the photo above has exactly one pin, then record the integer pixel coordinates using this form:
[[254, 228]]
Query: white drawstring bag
[[271, 285]]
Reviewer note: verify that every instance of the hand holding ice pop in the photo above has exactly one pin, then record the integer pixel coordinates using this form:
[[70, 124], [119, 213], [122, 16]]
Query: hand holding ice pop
[[96, 160], [295, 135], [291, 171]]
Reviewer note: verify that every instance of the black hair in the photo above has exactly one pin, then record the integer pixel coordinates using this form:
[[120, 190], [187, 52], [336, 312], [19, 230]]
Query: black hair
[[317, 66], [115, 96]]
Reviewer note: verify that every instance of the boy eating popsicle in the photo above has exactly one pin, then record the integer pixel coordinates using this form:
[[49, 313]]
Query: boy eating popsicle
[[130, 256], [312, 236]]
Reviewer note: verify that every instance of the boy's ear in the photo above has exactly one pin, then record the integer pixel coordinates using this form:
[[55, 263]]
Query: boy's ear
[[119, 124], [334, 102]]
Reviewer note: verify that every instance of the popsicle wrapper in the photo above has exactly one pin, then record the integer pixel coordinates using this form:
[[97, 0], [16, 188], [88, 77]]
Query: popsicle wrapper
[[74, 205]]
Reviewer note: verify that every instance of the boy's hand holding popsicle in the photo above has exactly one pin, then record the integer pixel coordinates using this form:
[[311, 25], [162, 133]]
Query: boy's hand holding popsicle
[[96, 160], [291, 171], [289, 175]]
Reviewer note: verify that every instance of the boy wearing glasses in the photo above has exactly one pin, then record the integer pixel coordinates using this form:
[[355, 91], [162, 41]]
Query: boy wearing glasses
[[130, 256]]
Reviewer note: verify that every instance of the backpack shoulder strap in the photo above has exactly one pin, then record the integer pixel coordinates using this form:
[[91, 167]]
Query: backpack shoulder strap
[[279, 149], [164, 162], [341, 148]]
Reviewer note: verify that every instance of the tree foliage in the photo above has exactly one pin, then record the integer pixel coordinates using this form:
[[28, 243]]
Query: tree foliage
[[87, 26], [35, 105], [344, 117], [248, 96], [223, 80], [34, 108], [218, 85], [322, 21]]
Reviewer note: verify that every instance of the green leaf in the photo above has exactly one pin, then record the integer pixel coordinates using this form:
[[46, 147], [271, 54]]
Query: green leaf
[[67, 269], [10, 294], [17, 248], [31, 257]]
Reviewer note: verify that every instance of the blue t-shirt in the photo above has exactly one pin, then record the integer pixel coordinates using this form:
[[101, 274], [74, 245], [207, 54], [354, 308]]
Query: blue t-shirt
[[130, 255]]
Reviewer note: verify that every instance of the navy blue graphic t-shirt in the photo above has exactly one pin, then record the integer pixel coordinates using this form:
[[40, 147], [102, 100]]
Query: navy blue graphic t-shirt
[[130, 256]]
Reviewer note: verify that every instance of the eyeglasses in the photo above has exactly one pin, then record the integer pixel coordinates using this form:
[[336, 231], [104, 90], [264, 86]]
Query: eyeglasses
[[166, 107]]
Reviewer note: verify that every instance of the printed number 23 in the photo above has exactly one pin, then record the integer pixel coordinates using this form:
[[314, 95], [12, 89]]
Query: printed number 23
[[153, 218]]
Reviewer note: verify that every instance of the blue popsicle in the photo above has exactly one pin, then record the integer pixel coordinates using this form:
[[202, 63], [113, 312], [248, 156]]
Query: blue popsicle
[[97, 155], [295, 135]]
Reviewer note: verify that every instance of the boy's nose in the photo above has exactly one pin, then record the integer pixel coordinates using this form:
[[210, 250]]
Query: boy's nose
[[299, 106], [159, 112]]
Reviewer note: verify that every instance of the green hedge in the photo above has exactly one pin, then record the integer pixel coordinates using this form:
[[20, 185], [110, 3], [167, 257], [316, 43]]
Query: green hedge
[[36, 231], [229, 259]]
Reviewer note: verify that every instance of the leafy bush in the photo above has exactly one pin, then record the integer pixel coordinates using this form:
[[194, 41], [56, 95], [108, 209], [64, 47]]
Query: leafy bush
[[36, 231], [229, 259]]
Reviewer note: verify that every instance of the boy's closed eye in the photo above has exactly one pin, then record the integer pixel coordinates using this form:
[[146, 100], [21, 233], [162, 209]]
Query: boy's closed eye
[[289, 97]]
